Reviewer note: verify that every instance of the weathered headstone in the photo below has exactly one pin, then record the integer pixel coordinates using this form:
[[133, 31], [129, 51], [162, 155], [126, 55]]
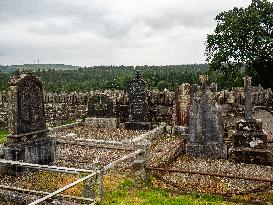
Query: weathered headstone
[[29, 141], [100, 113], [249, 142], [138, 105], [100, 105], [181, 107], [205, 123]]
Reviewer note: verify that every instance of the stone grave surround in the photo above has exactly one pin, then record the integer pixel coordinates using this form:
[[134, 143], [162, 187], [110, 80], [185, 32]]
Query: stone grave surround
[[100, 112], [138, 105], [249, 142], [29, 141], [205, 124]]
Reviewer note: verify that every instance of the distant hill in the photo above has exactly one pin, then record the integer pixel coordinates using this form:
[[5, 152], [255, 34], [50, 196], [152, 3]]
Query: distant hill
[[38, 67]]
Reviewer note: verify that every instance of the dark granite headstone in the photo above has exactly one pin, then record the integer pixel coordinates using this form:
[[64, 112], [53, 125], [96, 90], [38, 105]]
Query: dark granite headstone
[[29, 141], [100, 105], [205, 123], [249, 142], [138, 105]]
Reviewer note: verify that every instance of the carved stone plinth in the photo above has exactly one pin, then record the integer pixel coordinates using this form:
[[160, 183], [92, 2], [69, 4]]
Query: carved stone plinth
[[249, 144], [138, 125], [40, 150], [251, 156], [211, 151]]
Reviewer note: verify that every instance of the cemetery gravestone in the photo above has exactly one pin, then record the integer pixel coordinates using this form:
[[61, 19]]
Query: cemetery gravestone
[[249, 142], [29, 141], [100, 105], [205, 123], [100, 113], [181, 105], [138, 105]]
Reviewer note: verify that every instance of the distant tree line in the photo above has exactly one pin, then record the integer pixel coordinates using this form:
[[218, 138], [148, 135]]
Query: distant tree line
[[118, 77]]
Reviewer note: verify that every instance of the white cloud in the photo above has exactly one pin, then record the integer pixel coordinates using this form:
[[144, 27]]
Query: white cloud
[[96, 32]]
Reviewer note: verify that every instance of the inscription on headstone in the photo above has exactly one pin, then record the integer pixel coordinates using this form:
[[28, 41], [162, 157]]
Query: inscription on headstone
[[138, 104], [100, 105]]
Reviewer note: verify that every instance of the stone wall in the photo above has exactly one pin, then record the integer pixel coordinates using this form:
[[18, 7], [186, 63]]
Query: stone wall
[[61, 108]]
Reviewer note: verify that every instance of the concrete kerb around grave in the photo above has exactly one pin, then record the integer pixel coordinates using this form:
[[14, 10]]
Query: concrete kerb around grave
[[71, 125], [150, 135]]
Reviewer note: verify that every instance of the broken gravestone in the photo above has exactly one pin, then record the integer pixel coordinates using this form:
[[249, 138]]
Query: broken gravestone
[[29, 141], [205, 123], [249, 142], [181, 108], [138, 105], [100, 112]]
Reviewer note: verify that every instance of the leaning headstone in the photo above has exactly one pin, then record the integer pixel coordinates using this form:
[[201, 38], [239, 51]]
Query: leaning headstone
[[249, 142], [100, 112], [29, 141], [138, 105], [205, 123]]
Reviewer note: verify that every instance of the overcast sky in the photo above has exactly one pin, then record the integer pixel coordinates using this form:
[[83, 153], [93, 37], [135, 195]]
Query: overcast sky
[[107, 32]]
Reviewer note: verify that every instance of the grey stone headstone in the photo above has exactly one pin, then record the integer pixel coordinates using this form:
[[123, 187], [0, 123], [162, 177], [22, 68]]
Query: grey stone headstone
[[101, 106], [27, 105], [28, 141], [205, 123]]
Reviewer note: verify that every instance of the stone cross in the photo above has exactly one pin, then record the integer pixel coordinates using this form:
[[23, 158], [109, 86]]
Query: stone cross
[[248, 103]]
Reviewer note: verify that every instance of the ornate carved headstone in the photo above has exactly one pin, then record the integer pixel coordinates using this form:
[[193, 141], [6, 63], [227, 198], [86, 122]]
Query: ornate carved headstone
[[205, 123], [100, 105], [249, 142], [29, 141], [138, 105]]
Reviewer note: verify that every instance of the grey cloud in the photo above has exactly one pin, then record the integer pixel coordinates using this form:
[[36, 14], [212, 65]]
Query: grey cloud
[[171, 17]]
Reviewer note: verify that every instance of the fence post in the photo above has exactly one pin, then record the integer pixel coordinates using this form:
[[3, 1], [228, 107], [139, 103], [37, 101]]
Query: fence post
[[100, 182], [139, 164], [89, 186]]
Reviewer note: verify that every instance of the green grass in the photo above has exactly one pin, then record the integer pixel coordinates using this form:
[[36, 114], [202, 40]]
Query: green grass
[[69, 121], [126, 193], [3, 136]]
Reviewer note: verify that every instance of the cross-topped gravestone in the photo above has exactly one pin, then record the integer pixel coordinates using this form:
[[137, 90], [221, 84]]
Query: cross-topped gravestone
[[249, 142], [248, 101], [28, 141], [138, 104], [100, 105]]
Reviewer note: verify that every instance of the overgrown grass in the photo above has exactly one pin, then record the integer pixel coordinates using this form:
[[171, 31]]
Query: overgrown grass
[[69, 121], [125, 193], [3, 136]]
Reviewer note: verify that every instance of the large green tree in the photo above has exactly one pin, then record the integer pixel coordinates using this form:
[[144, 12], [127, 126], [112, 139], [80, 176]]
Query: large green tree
[[243, 40]]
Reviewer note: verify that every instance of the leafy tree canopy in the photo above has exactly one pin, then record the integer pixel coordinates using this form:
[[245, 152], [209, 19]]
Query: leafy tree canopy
[[243, 40]]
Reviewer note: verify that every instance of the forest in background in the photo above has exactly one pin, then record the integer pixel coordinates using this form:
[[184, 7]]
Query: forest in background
[[85, 79]]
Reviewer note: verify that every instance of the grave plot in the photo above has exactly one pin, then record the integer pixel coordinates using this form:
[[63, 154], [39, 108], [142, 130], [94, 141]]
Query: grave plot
[[87, 132]]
